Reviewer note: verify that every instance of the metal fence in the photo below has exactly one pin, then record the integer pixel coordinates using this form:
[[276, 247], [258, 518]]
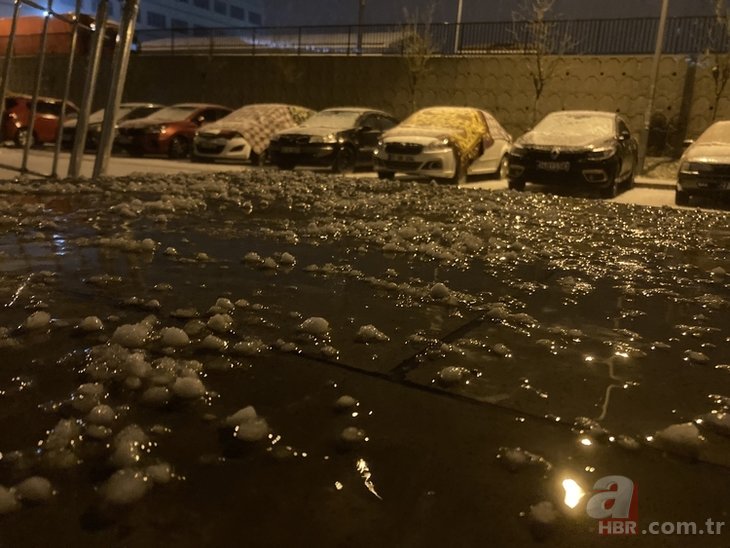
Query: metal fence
[[571, 37]]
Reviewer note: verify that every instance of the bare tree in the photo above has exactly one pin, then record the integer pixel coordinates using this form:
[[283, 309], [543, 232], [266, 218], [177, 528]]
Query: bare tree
[[717, 49], [417, 47], [543, 40]]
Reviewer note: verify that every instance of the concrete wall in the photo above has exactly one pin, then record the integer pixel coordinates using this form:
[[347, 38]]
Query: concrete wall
[[500, 84]]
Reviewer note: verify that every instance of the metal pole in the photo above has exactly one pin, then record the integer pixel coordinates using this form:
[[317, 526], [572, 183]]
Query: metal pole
[[82, 125], [644, 137], [360, 18], [36, 89], [67, 89], [457, 34], [8, 56], [119, 75]]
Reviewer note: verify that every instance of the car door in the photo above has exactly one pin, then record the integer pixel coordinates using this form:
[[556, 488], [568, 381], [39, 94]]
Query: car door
[[627, 146], [496, 145]]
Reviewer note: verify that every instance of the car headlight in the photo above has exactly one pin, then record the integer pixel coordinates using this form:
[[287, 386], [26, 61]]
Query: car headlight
[[156, 129], [602, 153], [694, 168], [331, 138], [438, 144]]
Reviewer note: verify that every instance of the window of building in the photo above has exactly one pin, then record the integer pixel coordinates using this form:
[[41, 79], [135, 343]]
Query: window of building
[[199, 30], [202, 4], [220, 7], [238, 12], [155, 19], [254, 18], [179, 25]]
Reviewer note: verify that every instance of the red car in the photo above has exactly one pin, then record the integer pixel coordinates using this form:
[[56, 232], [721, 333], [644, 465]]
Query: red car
[[168, 131], [16, 119]]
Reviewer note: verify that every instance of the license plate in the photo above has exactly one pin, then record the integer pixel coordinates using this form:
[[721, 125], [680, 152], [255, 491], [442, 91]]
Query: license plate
[[400, 158], [554, 166], [291, 150], [206, 146], [715, 185]]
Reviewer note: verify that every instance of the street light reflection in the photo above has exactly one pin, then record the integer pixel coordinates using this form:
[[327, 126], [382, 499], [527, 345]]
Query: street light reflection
[[573, 493]]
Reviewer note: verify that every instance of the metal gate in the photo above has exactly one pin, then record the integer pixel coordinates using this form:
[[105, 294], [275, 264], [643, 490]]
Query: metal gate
[[19, 112]]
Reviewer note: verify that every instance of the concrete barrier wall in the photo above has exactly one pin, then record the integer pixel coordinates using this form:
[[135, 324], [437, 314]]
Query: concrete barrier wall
[[501, 84]]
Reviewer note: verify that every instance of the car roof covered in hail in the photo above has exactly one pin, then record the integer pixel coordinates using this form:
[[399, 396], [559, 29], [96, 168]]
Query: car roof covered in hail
[[713, 146], [257, 123], [572, 128], [464, 126]]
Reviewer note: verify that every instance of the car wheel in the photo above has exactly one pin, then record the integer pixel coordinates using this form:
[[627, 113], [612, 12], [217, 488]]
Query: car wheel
[[389, 175], [179, 148], [681, 198], [22, 136], [516, 184], [344, 161], [611, 190]]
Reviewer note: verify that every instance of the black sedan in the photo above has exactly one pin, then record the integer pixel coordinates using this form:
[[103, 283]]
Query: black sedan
[[339, 138], [574, 147]]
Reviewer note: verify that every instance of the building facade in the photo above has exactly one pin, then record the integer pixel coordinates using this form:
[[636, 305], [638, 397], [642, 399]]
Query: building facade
[[168, 14]]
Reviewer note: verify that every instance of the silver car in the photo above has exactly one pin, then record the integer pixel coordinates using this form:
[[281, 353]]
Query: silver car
[[446, 143], [245, 133], [705, 166]]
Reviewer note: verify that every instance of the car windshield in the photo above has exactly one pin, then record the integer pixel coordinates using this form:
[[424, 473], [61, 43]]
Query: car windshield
[[573, 123], [252, 112], [98, 116], [452, 118], [333, 119], [173, 113], [718, 132]]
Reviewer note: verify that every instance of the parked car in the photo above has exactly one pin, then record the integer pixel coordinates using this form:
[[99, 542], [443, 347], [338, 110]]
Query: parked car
[[340, 138], [575, 147], [704, 168], [169, 130], [446, 143], [127, 111], [245, 133], [16, 119]]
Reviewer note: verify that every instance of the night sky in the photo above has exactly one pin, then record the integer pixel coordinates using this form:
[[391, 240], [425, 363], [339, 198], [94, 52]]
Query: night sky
[[344, 12]]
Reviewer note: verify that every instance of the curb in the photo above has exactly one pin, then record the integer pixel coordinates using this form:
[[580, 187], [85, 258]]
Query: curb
[[660, 184]]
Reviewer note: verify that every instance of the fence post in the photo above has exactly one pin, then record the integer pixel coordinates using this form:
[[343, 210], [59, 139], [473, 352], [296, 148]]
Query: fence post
[[253, 41], [66, 89], [82, 124], [36, 89], [116, 88], [299, 41], [8, 56]]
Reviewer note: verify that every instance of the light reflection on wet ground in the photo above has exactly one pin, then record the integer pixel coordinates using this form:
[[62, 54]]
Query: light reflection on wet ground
[[565, 314]]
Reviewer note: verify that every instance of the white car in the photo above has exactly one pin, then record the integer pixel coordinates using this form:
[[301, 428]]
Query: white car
[[445, 143], [705, 166], [245, 133]]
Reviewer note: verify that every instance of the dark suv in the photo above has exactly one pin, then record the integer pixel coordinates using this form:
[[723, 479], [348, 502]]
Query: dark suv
[[16, 119], [339, 138]]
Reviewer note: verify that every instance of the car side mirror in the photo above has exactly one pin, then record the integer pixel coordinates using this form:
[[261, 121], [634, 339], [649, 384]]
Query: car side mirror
[[624, 136], [367, 129], [687, 142], [199, 120]]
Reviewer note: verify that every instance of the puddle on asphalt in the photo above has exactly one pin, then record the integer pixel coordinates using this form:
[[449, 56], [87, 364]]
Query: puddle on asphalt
[[607, 318]]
